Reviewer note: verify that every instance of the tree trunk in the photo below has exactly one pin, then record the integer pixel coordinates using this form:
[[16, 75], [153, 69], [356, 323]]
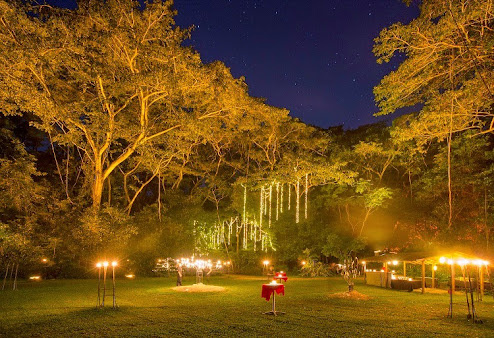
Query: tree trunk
[[5, 278], [487, 232], [97, 188], [450, 192], [14, 287]]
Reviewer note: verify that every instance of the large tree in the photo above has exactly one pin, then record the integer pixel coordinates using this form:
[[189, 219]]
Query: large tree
[[112, 80]]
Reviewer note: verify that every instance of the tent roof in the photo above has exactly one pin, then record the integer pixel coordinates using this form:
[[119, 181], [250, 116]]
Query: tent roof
[[418, 257]]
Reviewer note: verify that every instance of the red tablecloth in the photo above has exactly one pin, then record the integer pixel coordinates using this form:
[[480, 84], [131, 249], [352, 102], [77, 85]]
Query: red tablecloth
[[281, 276], [268, 289]]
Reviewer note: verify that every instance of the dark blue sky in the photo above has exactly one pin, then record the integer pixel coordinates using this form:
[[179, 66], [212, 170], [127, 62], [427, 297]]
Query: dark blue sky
[[312, 57]]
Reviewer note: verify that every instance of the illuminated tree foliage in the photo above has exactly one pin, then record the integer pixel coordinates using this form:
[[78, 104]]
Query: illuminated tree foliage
[[448, 69], [113, 81]]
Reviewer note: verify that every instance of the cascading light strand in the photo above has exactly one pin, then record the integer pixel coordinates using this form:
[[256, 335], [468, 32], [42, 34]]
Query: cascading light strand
[[306, 193], [297, 206]]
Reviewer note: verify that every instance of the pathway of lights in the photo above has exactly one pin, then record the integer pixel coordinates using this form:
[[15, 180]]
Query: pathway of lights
[[104, 265], [250, 230]]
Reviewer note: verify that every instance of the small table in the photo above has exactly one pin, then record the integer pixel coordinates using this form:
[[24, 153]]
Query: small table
[[281, 276], [267, 290]]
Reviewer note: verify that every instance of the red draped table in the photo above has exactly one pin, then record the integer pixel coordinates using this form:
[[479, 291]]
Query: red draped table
[[280, 276], [272, 289]]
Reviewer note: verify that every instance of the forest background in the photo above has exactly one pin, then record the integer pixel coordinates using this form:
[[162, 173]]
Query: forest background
[[118, 140]]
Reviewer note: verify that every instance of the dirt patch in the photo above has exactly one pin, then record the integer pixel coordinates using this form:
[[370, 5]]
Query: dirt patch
[[198, 288], [350, 295]]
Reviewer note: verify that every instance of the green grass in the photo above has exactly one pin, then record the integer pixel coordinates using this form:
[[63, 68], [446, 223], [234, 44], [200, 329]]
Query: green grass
[[148, 307]]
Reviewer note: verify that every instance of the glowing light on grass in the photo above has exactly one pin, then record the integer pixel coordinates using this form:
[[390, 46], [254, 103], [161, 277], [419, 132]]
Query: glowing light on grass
[[35, 278], [130, 276], [303, 262], [44, 260]]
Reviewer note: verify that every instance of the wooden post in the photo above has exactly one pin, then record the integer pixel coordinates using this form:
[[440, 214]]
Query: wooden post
[[404, 269], [452, 278], [423, 276], [433, 276]]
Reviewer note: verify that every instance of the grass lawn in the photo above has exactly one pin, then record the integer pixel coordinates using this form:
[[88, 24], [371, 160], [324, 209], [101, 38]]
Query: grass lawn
[[149, 307]]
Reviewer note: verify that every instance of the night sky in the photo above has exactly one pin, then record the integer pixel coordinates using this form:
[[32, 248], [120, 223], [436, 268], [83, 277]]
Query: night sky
[[312, 57]]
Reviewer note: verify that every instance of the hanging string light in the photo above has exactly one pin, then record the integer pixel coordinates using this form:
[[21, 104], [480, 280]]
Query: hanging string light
[[289, 195], [266, 199], [245, 200], [262, 206], [281, 199], [277, 199], [245, 235], [297, 207], [222, 226], [270, 202], [306, 193]]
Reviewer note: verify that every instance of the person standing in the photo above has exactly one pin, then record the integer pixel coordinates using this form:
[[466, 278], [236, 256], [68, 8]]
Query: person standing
[[179, 274]]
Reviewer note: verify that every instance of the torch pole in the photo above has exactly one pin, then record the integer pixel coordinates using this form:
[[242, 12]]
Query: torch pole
[[105, 267], [99, 286], [114, 296]]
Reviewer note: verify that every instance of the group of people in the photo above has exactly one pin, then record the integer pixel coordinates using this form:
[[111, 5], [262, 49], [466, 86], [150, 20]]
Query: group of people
[[180, 273]]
